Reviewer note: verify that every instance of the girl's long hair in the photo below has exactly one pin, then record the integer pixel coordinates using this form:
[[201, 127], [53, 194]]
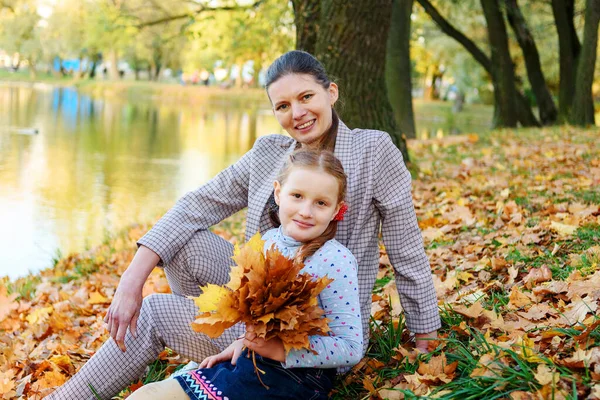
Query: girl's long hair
[[322, 161], [301, 62]]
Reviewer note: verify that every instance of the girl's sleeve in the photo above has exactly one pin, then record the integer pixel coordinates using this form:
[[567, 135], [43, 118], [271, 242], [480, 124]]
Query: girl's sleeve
[[402, 239], [343, 347], [214, 201]]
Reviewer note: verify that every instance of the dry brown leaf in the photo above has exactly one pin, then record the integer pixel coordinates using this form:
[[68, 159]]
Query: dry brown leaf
[[474, 311], [578, 310], [544, 375], [518, 299], [437, 370], [537, 275]]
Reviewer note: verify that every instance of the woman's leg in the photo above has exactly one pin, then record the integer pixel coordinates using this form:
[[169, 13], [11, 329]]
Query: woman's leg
[[168, 389], [164, 322]]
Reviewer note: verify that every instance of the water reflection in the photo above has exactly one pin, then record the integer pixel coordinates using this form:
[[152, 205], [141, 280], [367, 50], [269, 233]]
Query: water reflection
[[97, 166]]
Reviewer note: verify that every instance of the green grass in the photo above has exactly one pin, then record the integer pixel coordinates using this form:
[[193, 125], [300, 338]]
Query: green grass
[[585, 237], [22, 75], [25, 287]]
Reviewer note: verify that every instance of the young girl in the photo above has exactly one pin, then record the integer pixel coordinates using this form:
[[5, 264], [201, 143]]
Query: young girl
[[309, 193]]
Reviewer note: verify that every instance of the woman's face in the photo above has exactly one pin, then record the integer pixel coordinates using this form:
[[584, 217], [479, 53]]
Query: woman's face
[[308, 201], [302, 106]]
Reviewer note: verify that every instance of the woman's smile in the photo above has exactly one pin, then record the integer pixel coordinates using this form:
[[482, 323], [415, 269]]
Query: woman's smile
[[304, 127]]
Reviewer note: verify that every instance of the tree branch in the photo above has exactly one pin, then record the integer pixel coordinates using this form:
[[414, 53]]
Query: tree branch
[[526, 116], [457, 35], [4, 4], [198, 11]]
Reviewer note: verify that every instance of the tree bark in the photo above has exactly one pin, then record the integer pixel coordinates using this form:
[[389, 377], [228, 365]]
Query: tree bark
[[350, 46], [525, 114], [306, 19], [547, 108], [569, 49], [582, 112], [398, 67], [505, 91]]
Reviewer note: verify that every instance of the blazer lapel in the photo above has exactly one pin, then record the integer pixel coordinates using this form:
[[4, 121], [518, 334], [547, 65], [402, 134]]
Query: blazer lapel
[[343, 151]]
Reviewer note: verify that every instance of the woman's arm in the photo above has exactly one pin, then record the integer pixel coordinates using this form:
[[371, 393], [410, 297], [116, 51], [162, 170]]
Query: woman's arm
[[403, 240], [220, 197], [208, 205], [341, 303]]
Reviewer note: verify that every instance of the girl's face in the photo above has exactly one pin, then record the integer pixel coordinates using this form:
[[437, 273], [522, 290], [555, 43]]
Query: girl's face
[[302, 106], [308, 201]]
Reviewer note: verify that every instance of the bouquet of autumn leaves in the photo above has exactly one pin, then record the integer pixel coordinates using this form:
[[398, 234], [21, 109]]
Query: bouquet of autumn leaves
[[267, 292]]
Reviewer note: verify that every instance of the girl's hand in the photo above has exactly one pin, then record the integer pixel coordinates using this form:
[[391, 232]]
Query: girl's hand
[[422, 340], [272, 349], [232, 352]]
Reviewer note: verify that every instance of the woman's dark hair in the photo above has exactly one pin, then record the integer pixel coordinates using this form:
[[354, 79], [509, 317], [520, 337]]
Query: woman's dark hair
[[301, 62]]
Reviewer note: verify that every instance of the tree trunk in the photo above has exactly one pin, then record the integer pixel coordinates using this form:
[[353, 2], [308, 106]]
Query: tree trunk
[[239, 77], [582, 112], [525, 115], [32, 70], [350, 46], [398, 67], [502, 66], [547, 108], [569, 49], [113, 71], [256, 67], [15, 67], [306, 19]]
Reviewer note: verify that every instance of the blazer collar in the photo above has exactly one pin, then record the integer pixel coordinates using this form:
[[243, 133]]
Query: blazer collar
[[343, 145]]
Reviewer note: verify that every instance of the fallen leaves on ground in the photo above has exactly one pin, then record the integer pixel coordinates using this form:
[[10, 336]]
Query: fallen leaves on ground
[[511, 226]]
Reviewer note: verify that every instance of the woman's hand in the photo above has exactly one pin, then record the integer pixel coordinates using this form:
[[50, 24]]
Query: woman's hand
[[422, 340], [272, 349], [232, 352], [123, 313], [125, 308]]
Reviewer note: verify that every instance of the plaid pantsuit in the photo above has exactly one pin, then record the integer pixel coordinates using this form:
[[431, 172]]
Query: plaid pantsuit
[[379, 196]]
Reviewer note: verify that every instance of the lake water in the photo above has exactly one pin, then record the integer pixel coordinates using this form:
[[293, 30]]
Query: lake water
[[98, 166]]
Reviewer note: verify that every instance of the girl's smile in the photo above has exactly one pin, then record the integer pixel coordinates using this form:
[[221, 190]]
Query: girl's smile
[[308, 201]]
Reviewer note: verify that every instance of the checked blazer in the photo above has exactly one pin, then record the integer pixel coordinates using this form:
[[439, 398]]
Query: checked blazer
[[379, 197]]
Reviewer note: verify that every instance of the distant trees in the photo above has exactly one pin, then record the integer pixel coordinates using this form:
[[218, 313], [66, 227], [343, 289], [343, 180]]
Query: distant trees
[[577, 61]]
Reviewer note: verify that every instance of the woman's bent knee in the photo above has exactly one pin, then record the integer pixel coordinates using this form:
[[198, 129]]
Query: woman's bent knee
[[206, 258]]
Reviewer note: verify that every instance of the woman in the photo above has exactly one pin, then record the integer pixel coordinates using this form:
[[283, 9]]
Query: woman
[[379, 192]]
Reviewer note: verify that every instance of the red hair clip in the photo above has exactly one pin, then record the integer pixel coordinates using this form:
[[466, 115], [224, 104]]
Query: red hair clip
[[340, 215]]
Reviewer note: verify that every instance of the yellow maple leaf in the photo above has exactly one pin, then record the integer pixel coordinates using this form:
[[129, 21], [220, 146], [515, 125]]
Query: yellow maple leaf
[[211, 297], [563, 229], [39, 314], [97, 298]]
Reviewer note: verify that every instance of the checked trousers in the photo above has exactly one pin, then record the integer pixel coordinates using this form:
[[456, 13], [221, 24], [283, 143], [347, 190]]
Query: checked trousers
[[164, 321]]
